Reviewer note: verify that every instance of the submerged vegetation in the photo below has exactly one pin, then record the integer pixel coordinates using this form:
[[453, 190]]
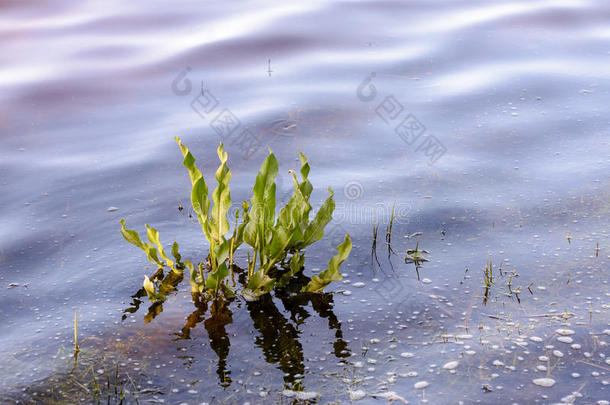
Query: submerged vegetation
[[276, 241]]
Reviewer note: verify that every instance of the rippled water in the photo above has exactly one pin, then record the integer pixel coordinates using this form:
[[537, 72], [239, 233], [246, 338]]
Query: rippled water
[[485, 121]]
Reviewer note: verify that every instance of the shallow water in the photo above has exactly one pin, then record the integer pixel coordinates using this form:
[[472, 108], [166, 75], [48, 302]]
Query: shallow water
[[485, 122]]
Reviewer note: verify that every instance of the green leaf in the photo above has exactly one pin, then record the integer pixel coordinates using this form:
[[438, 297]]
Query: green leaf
[[275, 251], [222, 251], [189, 162], [315, 230], [197, 283], [212, 283], [151, 291], [259, 284], [295, 215], [177, 255], [201, 205], [151, 253], [219, 225], [305, 186], [296, 264], [318, 283], [153, 237], [296, 212], [262, 203], [199, 193], [239, 235], [132, 237]]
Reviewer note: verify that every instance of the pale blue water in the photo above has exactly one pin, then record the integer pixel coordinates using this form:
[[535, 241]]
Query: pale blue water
[[502, 149]]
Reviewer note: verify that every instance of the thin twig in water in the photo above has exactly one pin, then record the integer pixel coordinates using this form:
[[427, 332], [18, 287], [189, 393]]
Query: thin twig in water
[[594, 365]]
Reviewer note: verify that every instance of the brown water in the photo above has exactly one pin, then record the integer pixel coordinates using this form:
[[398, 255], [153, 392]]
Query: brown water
[[485, 121]]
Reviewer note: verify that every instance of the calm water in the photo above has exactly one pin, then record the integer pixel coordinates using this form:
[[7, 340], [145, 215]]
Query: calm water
[[485, 121]]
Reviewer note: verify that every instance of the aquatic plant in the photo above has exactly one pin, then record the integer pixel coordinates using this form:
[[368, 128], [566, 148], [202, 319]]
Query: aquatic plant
[[274, 239], [388, 234], [153, 252], [488, 274], [416, 256], [374, 246]]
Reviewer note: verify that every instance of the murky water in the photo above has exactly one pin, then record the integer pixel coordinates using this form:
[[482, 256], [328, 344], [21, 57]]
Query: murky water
[[485, 121]]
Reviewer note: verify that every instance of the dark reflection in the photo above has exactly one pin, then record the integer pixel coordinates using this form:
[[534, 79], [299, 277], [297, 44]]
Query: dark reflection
[[278, 331], [416, 256], [167, 285], [219, 341], [486, 296], [278, 338], [194, 318], [295, 301]]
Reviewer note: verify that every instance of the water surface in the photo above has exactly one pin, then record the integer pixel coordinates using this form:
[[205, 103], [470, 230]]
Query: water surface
[[485, 122]]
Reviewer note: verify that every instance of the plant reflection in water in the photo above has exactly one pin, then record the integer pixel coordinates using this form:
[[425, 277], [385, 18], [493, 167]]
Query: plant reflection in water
[[278, 332]]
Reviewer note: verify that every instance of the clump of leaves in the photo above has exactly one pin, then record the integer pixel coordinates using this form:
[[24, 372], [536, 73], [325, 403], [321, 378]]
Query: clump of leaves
[[154, 251], [273, 239]]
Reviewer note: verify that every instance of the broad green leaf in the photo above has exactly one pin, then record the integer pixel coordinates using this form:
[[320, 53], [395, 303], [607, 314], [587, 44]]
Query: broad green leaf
[[177, 255], [262, 203], [315, 230], [219, 225], [153, 237], [189, 162], [151, 253], [276, 249], [296, 212], [295, 216], [212, 283], [318, 283], [239, 236], [222, 251], [201, 205], [199, 193], [132, 237], [197, 284]]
